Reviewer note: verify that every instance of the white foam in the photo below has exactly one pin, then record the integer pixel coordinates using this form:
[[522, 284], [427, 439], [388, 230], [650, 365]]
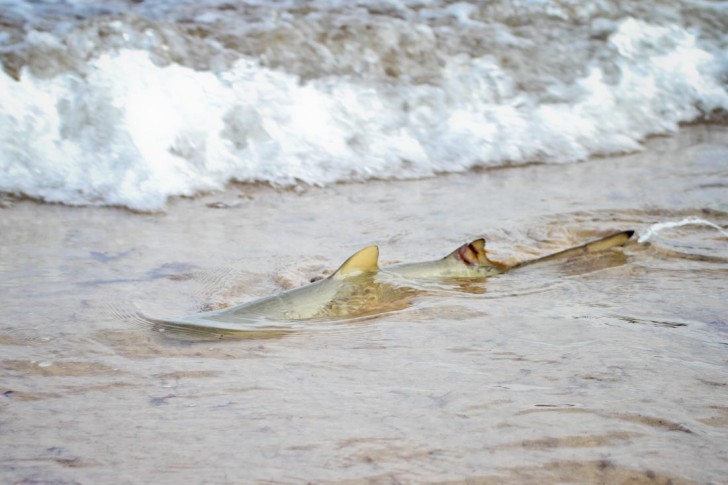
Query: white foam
[[689, 221], [128, 132]]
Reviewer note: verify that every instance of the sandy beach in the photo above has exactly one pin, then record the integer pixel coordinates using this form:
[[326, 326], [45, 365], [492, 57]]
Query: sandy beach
[[608, 370]]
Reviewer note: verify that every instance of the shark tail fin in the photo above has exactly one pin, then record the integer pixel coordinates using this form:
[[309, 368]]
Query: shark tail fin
[[473, 254], [603, 244], [363, 261]]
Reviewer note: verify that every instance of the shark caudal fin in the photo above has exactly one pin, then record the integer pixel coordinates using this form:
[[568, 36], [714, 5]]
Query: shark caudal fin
[[603, 244], [473, 254], [364, 261]]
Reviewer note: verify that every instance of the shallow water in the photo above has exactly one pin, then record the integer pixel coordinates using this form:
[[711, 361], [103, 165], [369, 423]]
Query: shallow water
[[613, 368]]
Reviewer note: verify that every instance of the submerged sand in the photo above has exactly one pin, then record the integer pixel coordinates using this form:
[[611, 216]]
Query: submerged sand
[[611, 369]]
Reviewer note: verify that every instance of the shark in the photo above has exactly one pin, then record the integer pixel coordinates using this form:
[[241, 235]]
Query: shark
[[360, 288]]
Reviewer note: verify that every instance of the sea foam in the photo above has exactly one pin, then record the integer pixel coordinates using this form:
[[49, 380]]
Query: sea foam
[[127, 130]]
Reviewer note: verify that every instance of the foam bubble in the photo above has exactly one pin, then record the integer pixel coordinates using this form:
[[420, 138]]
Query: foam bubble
[[688, 221], [124, 130]]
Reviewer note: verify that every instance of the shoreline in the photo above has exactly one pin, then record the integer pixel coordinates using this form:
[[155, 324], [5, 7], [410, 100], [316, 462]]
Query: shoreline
[[249, 189]]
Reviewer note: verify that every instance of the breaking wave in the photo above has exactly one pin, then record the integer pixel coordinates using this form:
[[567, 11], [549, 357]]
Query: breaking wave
[[132, 104]]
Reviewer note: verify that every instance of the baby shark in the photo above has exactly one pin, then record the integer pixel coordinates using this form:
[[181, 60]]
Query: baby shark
[[360, 288]]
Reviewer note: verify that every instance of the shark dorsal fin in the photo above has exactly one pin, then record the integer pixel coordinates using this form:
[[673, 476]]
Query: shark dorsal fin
[[473, 254], [364, 261]]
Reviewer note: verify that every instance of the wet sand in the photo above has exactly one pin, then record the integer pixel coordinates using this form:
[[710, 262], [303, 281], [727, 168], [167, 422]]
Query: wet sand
[[611, 369]]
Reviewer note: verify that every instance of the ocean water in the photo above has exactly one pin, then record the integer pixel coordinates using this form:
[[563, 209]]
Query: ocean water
[[445, 121], [130, 103], [608, 369]]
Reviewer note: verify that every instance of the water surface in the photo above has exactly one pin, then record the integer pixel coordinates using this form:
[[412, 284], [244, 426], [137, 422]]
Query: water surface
[[605, 369]]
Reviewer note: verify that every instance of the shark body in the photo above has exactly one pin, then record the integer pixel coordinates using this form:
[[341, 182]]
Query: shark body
[[360, 288]]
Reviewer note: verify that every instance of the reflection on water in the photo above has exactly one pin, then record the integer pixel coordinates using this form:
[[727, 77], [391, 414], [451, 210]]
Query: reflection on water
[[608, 368]]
